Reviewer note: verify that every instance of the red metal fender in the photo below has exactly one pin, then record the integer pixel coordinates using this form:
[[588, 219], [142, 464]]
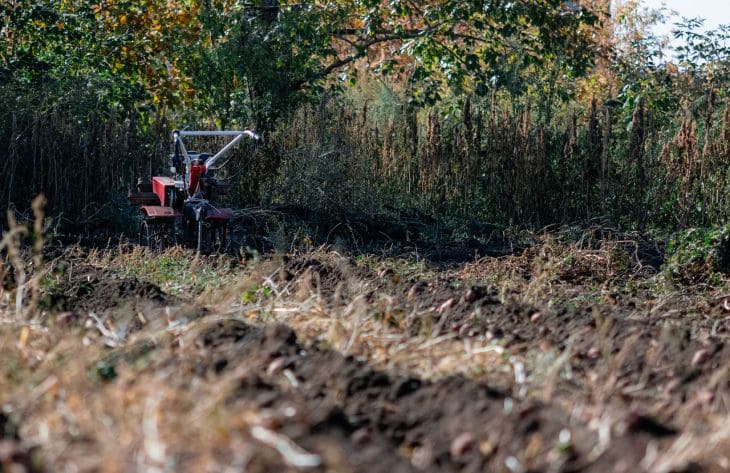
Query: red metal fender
[[160, 186], [159, 212], [219, 214]]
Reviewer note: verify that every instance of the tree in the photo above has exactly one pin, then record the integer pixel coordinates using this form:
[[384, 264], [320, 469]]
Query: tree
[[251, 62], [255, 65], [126, 49]]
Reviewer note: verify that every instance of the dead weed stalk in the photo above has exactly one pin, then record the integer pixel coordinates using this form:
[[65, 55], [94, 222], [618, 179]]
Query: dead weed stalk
[[13, 245]]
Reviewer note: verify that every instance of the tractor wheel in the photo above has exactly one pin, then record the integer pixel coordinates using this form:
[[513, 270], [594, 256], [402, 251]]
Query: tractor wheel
[[147, 236], [220, 239], [155, 236], [212, 238]]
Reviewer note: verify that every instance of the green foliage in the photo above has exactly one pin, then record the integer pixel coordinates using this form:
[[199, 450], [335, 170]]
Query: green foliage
[[177, 271], [705, 55], [256, 294], [254, 67], [699, 255], [487, 110], [106, 370], [124, 49], [468, 47]]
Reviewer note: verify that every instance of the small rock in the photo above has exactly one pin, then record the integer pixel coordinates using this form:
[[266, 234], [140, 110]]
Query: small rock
[[594, 353], [462, 445], [361, 436], [514, 465], [464, 330], [535, 318], [275, 366], [422, 457], [415, 290], [486, 448], [470, 296], [446, 305], [700, 357]]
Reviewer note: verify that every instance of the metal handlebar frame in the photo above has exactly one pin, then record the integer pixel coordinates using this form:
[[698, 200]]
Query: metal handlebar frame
[[177, 136]]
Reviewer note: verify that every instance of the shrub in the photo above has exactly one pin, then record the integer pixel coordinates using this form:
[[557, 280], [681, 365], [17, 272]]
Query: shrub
[[699, 256]]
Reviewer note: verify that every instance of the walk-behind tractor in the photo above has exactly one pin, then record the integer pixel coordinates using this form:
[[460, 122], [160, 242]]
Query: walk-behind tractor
[[181, 209]]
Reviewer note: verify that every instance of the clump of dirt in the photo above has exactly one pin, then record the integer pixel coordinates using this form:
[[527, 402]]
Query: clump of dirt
[[578, 377], [89, 289], [311, 275], [380, 421], [603, 338], [619, 337]]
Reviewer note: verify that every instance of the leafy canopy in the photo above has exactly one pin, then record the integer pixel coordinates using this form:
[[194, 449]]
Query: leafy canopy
[[267, 56], [251, 61]]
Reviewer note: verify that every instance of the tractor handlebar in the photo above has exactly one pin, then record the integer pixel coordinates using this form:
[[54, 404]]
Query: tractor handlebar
[[238, 136], [181, 151]]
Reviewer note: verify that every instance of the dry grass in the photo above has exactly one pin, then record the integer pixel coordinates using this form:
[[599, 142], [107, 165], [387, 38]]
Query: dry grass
[[142, 416], [493, 161], [552, 269]]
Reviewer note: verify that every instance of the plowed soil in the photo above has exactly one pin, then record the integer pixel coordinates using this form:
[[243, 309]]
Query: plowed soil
[[324, 366]]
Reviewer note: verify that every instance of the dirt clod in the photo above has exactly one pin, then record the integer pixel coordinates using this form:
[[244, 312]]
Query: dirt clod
[[701, 356], [462, 445], [446, 305], [434, 371]]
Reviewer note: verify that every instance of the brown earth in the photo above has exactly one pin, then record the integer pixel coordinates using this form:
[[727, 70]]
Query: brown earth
[[555, 370]]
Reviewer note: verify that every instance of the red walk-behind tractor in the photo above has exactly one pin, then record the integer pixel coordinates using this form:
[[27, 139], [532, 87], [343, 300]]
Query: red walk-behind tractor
[[180, 208]]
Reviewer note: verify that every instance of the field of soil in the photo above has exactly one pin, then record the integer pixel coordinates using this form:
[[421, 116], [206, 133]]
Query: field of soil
[[552, 356]]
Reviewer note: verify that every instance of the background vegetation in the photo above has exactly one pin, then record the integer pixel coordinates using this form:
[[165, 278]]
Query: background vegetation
[[514, 113]]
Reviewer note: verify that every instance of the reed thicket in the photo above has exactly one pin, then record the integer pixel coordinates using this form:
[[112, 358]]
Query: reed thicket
[[493, 160], [490, 159]]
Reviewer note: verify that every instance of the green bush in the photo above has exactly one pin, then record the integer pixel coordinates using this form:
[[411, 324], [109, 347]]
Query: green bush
[[699, 256]]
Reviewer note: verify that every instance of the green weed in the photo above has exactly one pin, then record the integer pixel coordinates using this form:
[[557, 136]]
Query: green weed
[[699, 256]]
